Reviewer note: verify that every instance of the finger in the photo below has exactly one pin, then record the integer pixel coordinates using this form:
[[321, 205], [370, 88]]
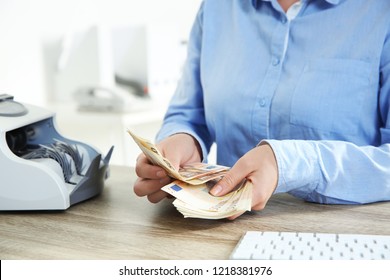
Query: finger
[[230, 180], [157, 196], [174, 158], [144, 187], [235, 216], [144, 169]]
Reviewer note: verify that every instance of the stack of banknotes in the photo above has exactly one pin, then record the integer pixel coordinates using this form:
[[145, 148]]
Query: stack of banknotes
[[192, 184], [67, 156]]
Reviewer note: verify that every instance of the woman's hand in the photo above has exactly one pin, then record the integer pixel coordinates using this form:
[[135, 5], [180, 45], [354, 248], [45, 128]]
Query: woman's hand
[[179, 149], [258, 166]]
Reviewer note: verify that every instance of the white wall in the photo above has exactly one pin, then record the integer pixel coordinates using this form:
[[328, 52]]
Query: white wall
[[26, 25]]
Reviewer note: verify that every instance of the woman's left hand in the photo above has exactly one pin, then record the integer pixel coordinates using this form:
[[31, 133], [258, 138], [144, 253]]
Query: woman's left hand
[[259, 166]]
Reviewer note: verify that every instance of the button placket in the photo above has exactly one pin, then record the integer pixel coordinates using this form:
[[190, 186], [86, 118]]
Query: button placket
[[271, 80]]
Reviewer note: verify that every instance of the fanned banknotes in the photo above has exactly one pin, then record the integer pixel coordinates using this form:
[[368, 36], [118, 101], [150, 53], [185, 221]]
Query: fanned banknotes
[[193, 183], [194, 174], [67, 156]]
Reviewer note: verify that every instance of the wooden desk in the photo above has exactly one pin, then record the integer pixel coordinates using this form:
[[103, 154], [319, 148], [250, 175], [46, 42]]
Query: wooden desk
[[119, 225]]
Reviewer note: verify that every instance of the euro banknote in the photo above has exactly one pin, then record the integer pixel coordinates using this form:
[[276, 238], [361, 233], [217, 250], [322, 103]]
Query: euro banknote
[[192, 184], [194, 173]]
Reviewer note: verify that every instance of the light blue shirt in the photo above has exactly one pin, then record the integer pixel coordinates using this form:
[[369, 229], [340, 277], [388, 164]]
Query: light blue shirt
[[316, 88]]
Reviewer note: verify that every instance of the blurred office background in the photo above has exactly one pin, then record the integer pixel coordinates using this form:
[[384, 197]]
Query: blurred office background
[[102, 66]]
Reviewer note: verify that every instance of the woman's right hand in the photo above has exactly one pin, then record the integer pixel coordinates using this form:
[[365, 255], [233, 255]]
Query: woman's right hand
[[180, 149]]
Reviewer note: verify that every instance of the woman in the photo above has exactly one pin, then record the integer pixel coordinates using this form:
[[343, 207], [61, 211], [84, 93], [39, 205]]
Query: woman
[[296, 95]]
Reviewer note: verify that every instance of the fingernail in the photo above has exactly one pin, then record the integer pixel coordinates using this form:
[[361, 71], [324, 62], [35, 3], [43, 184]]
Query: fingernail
[[165, 180], [161, 174], [216, 190]]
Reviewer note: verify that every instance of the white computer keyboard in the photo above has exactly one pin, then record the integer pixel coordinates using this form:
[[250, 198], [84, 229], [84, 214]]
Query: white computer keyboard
[[311, 246]]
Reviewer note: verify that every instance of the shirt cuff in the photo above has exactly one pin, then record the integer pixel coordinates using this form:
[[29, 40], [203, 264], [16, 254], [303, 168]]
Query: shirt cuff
[[298, 166]]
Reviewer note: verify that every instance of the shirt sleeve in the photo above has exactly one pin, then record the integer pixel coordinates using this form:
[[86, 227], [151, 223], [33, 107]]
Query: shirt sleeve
[[186, 110], [333, 172], [337, 171]]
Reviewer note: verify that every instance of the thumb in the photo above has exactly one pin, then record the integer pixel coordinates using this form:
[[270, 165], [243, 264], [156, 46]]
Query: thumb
[[229, 181], [175, 161], [171, 158]]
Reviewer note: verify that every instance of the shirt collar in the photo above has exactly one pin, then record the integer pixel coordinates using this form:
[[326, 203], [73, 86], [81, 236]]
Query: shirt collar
[[334, 2]]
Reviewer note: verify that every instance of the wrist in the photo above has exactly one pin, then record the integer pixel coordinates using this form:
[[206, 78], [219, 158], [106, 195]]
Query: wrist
[[270, 163]]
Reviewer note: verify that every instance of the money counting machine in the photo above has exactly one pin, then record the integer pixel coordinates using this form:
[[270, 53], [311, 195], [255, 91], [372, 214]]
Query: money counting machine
[[39, 168]]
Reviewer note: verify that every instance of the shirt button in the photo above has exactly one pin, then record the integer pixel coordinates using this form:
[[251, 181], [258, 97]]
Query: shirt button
[[284, 20], [275, 61], [263, 102]]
